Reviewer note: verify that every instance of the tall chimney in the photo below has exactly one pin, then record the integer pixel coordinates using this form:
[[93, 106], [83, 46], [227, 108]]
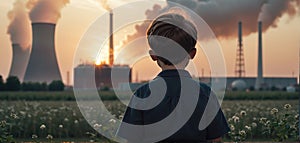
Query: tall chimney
[[240, 35], [42, 66], [19, 61], [259, 79], [111, 39]]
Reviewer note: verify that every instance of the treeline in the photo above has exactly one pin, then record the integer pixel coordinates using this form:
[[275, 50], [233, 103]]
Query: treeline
[[12, 83]]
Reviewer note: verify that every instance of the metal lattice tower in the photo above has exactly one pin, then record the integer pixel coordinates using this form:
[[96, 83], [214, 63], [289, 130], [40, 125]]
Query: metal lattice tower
[[240, 61]]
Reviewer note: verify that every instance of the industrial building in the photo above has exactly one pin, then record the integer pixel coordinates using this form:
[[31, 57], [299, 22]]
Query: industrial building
[[19, 61], [42, 65]]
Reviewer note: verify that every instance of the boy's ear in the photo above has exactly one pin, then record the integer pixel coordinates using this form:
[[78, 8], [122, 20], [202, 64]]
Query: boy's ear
[[152, 55], [192, 53]]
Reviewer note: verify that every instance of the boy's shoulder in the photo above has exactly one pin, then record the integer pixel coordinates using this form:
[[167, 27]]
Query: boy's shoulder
[[144, 90]]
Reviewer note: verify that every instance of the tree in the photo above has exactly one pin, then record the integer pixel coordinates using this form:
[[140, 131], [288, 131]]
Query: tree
[[13, 83], [2, 85], [56, 85]]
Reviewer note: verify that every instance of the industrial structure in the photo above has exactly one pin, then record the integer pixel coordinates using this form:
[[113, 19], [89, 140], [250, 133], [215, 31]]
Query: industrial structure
[[19, 61], [259, 80], [104, 75], [240, 61], [42, 65]]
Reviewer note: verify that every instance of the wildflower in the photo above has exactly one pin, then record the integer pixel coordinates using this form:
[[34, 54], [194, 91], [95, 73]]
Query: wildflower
[[66, 119], [232, 128], [14, 116], [297, 116], [235, 119], [243, 113], [274, 111], [42, 126], [248, 128], [76, 122], [262, 120], [112, 121], [254, 125], [49, 137], [60, 126], [3, 123], [97, 126], [242, 132], [34, 136], [287, 106]]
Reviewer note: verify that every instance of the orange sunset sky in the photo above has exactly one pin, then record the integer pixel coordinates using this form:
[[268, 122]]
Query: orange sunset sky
[[281, 43]]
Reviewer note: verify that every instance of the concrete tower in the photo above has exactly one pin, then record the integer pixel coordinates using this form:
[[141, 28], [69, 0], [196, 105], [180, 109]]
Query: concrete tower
[[259, 80], [19, 61], [42, 66]]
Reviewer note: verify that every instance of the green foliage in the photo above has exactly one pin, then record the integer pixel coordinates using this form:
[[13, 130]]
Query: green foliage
[[5, 136], [13, 83], [34, 86], [56, 85], [269, 120], [2, 85], [260, 95]]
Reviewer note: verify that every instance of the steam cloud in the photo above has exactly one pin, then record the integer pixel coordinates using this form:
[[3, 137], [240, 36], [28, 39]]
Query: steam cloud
[[46, 11], [142, 28], [19, 28], [223, 15]]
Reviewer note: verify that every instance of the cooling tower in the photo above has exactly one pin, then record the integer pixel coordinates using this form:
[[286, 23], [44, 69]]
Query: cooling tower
[[19, 61], [42, 66], [111, 40], [259, 80]]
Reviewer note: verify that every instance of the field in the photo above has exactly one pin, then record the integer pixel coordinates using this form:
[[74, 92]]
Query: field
[[61, 120]]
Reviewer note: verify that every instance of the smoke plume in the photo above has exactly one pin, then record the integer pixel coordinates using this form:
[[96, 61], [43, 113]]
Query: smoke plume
[[46, 11], [223, 15], [105, 4], [19, 28], [142, 28]]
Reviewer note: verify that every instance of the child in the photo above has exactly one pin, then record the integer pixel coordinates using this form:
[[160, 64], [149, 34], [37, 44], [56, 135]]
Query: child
[[172, 40]]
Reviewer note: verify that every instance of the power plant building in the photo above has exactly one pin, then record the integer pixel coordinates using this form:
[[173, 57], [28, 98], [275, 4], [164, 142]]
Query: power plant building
[[87, 76], [19, 61], [42, 65]]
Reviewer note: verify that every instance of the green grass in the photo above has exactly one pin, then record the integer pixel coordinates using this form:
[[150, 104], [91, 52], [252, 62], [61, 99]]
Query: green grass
[[32, 114], [109, 96]]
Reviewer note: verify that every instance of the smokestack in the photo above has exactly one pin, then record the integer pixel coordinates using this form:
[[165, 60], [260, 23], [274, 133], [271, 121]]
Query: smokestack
[[19, 61], [259, 79], [240, 35], [42, 66], [111, 39]]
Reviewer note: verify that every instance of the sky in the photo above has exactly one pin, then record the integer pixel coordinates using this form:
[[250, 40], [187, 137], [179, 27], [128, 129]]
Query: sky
[[281, 41]]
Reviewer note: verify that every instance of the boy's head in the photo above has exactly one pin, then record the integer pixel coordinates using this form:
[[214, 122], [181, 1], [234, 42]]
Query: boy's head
[[172, 39]]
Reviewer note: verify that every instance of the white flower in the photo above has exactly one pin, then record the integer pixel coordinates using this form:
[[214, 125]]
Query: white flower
[[49, 137], [287, 106], [34, 136], [112, 121], [232, 128], [60, 126], [243, 113], [254, 125], [76, 122], [42, 126], [274, 111], [242, 132], [247, 127], [66, 119], [96, 126], [235, 119]]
